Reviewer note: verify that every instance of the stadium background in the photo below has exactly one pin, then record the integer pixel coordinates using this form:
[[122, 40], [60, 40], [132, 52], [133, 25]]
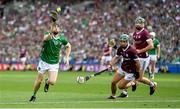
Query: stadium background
[[87, 25]]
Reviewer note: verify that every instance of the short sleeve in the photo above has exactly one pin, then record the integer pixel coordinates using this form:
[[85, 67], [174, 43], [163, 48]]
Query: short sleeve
[[46, 33], [118, 52], [158, 43], [146, 35], [63, 40]]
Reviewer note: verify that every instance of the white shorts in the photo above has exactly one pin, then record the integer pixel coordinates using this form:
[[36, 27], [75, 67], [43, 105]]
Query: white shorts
[[144, 63], [23, 59], [153, 57], [43, 67], [127, 76], [106, 58]]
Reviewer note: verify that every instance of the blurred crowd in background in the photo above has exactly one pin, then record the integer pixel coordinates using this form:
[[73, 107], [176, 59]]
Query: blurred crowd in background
[[87, 25]]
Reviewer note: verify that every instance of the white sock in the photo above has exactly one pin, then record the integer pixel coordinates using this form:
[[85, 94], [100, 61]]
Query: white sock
[[132, 83], [150, 72], [151, 84], [125, 91], [153, 73], [113, 96], [150, 69]]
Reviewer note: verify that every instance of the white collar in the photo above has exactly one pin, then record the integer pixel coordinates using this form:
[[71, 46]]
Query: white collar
[[57, 35], [126, 47], [140, 30]]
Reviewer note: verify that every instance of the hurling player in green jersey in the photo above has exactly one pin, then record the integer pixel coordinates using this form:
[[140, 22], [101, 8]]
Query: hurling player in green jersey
[[154, 54], [49, 58]]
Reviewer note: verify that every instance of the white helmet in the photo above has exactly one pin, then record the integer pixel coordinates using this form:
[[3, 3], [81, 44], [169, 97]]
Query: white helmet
[[153, 34]]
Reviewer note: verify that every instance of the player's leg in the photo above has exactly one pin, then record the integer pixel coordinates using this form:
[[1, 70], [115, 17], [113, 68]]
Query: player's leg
[[144, 65], [149, 67], [52, 77], [23, 61], [117, 77], [107, 61], [153, 66], [132, 84], [153, 63], [41, 73], [37, 86], [152, 84], [102, 62], [51, 80], [123, 85]]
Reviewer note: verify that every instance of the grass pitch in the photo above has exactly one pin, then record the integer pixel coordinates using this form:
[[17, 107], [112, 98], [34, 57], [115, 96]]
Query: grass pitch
[[16, 89]]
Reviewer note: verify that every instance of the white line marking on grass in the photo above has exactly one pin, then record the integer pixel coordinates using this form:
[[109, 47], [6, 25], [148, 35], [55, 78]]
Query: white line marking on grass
[[79, 102]]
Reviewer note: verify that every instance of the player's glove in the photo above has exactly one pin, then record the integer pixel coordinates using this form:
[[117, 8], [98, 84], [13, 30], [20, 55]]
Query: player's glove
[[112, 43], [54, 14], [109, 67], [136, 75]]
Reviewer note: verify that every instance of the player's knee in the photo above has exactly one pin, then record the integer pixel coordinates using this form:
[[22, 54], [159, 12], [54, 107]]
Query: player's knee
[[52, 82], [39, 80]]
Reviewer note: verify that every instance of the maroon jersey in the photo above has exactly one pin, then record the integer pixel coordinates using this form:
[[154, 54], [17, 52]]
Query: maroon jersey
[[106, 48], [23, 53], [140, 41], [129, 56]]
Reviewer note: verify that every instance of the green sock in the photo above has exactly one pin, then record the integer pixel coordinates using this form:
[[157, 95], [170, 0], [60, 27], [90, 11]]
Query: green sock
[[34, 94]]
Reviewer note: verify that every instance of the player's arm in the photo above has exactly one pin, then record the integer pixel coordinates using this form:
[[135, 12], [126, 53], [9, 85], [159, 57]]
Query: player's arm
[[108, 52], [114, 60], [137, 73], [112, 44], [147, 48], [133, 43], [49, 35], [158, 51], [67, 45], [68, 50], [54, 17]]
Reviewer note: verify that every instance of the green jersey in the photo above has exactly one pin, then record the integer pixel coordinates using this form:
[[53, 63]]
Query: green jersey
[[51, 48], [156, 43]]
